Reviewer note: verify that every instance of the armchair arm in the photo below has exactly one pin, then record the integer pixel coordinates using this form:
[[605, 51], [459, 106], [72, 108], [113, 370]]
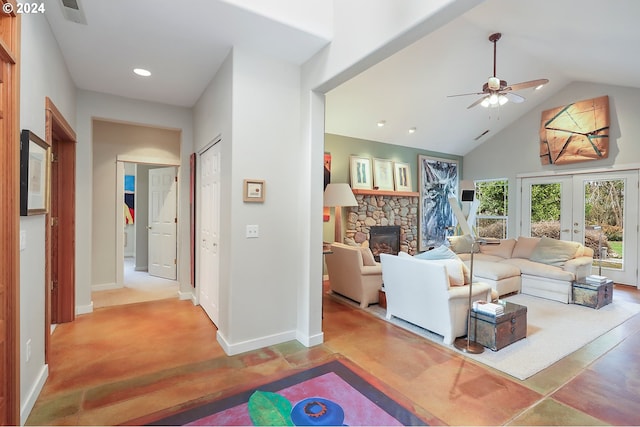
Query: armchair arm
[[369, 270], [480, 290]]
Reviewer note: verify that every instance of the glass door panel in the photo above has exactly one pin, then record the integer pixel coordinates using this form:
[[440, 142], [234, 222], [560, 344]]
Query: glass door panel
[[598, 210]]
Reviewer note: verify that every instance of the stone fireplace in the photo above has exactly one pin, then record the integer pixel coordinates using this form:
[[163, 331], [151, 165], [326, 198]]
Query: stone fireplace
[[389, 209]]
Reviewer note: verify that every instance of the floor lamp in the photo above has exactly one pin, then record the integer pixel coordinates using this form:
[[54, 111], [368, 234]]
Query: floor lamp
[[336, 196], [465, 344]]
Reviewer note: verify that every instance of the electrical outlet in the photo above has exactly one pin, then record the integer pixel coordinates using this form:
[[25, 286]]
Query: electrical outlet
[[253, 232], [28, 350]]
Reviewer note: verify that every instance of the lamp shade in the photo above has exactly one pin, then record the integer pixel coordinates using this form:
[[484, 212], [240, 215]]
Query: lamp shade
[[339, 195]]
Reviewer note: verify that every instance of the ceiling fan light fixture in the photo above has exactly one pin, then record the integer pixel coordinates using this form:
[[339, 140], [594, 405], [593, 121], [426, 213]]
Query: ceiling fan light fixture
[[502, 100], [493, 83], [485, 102]]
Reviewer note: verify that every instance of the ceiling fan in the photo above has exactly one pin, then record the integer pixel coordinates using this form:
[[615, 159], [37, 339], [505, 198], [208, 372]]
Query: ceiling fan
[[496, 92]]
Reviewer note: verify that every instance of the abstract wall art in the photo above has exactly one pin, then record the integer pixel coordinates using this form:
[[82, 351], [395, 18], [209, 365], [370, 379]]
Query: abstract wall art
[[577, 132], [438, 182]]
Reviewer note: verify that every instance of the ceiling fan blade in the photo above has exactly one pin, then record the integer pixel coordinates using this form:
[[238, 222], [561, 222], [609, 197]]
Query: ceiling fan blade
[[514, 97], [465, 94], [525, 85], [477, 102]]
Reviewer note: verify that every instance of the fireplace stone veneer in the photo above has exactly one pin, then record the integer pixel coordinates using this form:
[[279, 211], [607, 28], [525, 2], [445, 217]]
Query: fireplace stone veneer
[[384, 210]]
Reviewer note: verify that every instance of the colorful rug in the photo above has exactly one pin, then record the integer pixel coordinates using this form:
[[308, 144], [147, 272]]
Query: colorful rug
[[329, 394]]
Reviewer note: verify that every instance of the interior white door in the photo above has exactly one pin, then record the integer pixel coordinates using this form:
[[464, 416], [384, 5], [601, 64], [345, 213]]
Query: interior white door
[[209, 231], [163, 223]]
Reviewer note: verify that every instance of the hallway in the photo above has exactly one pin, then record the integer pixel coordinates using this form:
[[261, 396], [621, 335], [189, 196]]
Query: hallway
[[120, 364]]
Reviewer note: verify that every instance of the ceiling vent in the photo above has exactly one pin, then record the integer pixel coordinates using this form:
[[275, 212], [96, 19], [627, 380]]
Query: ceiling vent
[[72, 11], [481, 135]]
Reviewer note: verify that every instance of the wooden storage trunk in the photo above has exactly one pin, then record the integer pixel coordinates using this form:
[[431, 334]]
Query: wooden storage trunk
[[594, 296], [496, 332]]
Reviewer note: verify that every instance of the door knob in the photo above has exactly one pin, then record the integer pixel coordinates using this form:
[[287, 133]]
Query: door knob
[[148, 227], [566, 230]]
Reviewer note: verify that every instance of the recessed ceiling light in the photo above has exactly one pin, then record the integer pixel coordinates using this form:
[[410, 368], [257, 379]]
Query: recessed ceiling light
[[412, 130], [142, 72], [381, 123]]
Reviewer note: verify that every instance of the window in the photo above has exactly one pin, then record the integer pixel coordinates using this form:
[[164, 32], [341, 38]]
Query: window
[[493, 209]]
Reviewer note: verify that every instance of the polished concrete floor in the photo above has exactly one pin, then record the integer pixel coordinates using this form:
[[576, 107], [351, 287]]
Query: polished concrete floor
[[131, 363]]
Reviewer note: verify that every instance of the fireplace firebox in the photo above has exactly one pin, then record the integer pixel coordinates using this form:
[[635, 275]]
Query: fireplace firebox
[[384, 240]]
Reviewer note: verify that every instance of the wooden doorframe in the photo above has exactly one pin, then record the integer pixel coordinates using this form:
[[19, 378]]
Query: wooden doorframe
[[60, 292], [10, 216]]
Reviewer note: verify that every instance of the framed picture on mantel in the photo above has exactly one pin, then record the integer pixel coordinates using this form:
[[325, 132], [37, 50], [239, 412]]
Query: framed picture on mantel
[[361, 177], [382, 174], [402, 176]]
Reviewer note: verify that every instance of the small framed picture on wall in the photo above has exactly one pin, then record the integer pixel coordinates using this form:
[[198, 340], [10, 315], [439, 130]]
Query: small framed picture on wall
[[402, 176], [253, 190], [361, 177]]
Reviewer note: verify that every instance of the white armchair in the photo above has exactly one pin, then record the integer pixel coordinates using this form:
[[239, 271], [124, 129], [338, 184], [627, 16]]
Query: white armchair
[[418, 291], [349, 277]]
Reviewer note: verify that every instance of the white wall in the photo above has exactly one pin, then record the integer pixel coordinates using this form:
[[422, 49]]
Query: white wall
[[519, 143], [43, 73], [108, 107]]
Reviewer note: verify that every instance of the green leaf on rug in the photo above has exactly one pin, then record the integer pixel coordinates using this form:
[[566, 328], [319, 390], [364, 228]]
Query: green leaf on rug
[[269, 409]]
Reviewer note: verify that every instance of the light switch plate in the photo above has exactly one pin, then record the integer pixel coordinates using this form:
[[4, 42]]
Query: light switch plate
[[23, 240], [253, 232]]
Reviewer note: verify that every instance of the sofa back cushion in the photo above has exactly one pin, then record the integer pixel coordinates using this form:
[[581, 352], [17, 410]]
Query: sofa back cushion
[[554, 252], [454, 266], [502, 250], [524, 247]]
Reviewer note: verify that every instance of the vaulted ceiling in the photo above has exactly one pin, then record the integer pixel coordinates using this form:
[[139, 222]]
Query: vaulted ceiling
[[562, 40]]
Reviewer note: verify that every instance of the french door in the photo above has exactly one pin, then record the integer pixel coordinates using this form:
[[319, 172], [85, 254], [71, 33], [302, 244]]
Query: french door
[[596, 209]]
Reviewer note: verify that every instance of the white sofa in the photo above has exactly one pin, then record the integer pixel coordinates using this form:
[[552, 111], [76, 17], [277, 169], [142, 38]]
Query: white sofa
[[418, 291], [541, 267], [354, 273]]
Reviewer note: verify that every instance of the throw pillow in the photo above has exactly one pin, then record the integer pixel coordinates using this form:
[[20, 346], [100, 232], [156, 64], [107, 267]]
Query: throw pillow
[[503, 250], [367, 256], [441, 252], [454, 271], [554, 252], [462, 244], [524, 247]]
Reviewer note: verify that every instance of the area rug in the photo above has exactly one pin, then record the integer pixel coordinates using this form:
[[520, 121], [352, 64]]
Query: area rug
[[329, 394], [554, 330]]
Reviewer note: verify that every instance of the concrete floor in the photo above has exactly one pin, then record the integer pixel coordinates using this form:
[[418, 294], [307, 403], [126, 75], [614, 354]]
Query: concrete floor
[[120, 364]]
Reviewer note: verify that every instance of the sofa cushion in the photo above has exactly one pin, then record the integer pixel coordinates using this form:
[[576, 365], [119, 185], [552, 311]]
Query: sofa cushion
[[554, 252], [367, 256], [502, 250], [524, 247], [494, 270], [533, 268], [461, 244]]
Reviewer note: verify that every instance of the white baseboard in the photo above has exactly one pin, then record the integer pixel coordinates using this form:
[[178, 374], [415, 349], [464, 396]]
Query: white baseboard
[[187, 296], [105, 287], [33, 394], [84, 309], [255, 344], [310, 340]]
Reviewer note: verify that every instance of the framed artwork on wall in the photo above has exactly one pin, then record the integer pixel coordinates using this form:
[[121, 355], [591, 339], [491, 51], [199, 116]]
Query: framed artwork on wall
[[438, 182], [253, 190], [402, 176], [34, 174], [361, 177], [383, 174]]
